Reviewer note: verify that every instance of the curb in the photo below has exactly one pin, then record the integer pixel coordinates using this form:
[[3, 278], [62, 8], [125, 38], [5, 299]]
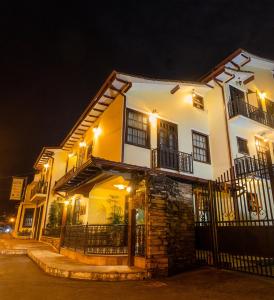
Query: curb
[[13, 252], [52, 270]]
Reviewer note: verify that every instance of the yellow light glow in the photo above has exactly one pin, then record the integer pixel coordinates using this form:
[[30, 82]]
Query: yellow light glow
[[153, 116], [128, 189], [188, 99], [120, 186], [82, 144], [70, 155], [12, 220], [66, 202], [46, 166], [193, 94], [265, 140], [97, 131], [262, 95]]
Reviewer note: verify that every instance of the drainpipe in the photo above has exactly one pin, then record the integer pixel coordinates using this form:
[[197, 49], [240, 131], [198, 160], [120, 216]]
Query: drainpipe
[[124, 128], [48, 193], [226, 124]]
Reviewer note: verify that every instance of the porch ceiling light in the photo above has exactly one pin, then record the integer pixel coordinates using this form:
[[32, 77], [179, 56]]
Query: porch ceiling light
[[97, 131], [119, 186]]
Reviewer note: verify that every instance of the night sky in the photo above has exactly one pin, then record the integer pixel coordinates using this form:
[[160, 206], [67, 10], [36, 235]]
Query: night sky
[[53, 59]]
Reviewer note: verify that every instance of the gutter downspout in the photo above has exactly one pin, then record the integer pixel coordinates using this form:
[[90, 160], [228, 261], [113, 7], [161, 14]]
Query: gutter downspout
[[49, 189], [226, 125]]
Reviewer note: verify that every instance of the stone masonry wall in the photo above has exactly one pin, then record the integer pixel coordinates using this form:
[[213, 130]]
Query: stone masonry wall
[[170, 226]]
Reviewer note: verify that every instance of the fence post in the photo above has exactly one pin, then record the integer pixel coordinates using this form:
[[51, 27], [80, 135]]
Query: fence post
[[131, 237], [213, 220], [86, 238], [62, 237]]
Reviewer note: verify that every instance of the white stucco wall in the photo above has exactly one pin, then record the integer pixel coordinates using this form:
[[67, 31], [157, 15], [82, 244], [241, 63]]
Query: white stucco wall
[[176, 108]]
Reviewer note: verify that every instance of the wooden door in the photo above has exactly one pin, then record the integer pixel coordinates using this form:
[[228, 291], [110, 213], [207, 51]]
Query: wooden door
[[167, 141]]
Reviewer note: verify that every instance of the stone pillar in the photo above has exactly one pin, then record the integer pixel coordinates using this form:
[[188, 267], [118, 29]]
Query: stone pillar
[[169, 225]]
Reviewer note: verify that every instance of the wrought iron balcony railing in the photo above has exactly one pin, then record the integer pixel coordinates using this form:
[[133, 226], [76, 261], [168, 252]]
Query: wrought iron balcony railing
[[171, 159], [247, 165], [40, 187], [239, 107]]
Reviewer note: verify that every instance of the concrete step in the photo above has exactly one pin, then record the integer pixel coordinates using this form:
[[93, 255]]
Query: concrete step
[[58, 265]]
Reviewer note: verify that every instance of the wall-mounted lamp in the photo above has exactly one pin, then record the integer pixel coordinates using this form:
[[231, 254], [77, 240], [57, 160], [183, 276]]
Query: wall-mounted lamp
[[97, 131], [153, 117], [262, 95], [46, 166], [82, 144]]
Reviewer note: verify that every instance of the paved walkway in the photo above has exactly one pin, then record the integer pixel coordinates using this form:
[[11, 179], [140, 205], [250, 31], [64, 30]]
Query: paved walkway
[[21, 279], [58, 265]]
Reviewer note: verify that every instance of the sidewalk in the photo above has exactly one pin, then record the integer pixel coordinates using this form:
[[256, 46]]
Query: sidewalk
[[58, 265]]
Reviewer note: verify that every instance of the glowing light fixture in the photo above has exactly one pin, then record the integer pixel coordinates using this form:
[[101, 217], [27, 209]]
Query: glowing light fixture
[[82, 144], [129, 189], [97, 131], [66, 202], [120, 186], [70, 155], [153, 117], [12, 220], [193, 94], [262, 95], [46, 166]]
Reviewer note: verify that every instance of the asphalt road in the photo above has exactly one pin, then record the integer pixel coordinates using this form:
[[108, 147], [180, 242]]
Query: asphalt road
[[21, 279]]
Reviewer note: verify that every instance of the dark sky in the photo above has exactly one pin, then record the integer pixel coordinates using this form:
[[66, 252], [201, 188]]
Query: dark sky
[[53, 58]]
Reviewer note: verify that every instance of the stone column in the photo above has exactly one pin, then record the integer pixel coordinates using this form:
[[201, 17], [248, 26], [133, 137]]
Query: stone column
[[169, 225]]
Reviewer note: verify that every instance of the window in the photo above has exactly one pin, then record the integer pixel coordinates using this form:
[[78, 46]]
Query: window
[[28, 217], [200, 147], [137, 131], [242, 146], [198, 101]]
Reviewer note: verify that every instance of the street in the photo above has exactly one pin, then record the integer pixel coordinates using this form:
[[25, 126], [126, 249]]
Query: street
[[21, 279]]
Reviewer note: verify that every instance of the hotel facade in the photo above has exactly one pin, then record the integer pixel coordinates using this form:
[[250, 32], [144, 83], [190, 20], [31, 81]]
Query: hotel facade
[[125, 187]]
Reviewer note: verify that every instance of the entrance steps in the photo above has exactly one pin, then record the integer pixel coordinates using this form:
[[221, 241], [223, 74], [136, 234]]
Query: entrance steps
[[60, 266]]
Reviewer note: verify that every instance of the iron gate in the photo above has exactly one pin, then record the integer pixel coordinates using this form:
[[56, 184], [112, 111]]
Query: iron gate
[[234, 219]]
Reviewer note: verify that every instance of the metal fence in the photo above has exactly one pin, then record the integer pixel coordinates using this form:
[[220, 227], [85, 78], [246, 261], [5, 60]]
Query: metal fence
[[97, 239], [235, 221], [52, 231]]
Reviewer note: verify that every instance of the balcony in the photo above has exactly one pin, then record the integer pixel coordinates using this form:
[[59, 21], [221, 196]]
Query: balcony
[[251, 166], [39, 191], [164, 158], [241, 108]]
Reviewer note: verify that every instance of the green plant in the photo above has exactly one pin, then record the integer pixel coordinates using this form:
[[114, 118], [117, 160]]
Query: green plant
[[116, 216], [55, 214]]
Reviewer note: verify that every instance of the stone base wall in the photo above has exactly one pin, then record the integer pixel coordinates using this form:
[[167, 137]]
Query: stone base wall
[[170, 226], [55, 242]]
